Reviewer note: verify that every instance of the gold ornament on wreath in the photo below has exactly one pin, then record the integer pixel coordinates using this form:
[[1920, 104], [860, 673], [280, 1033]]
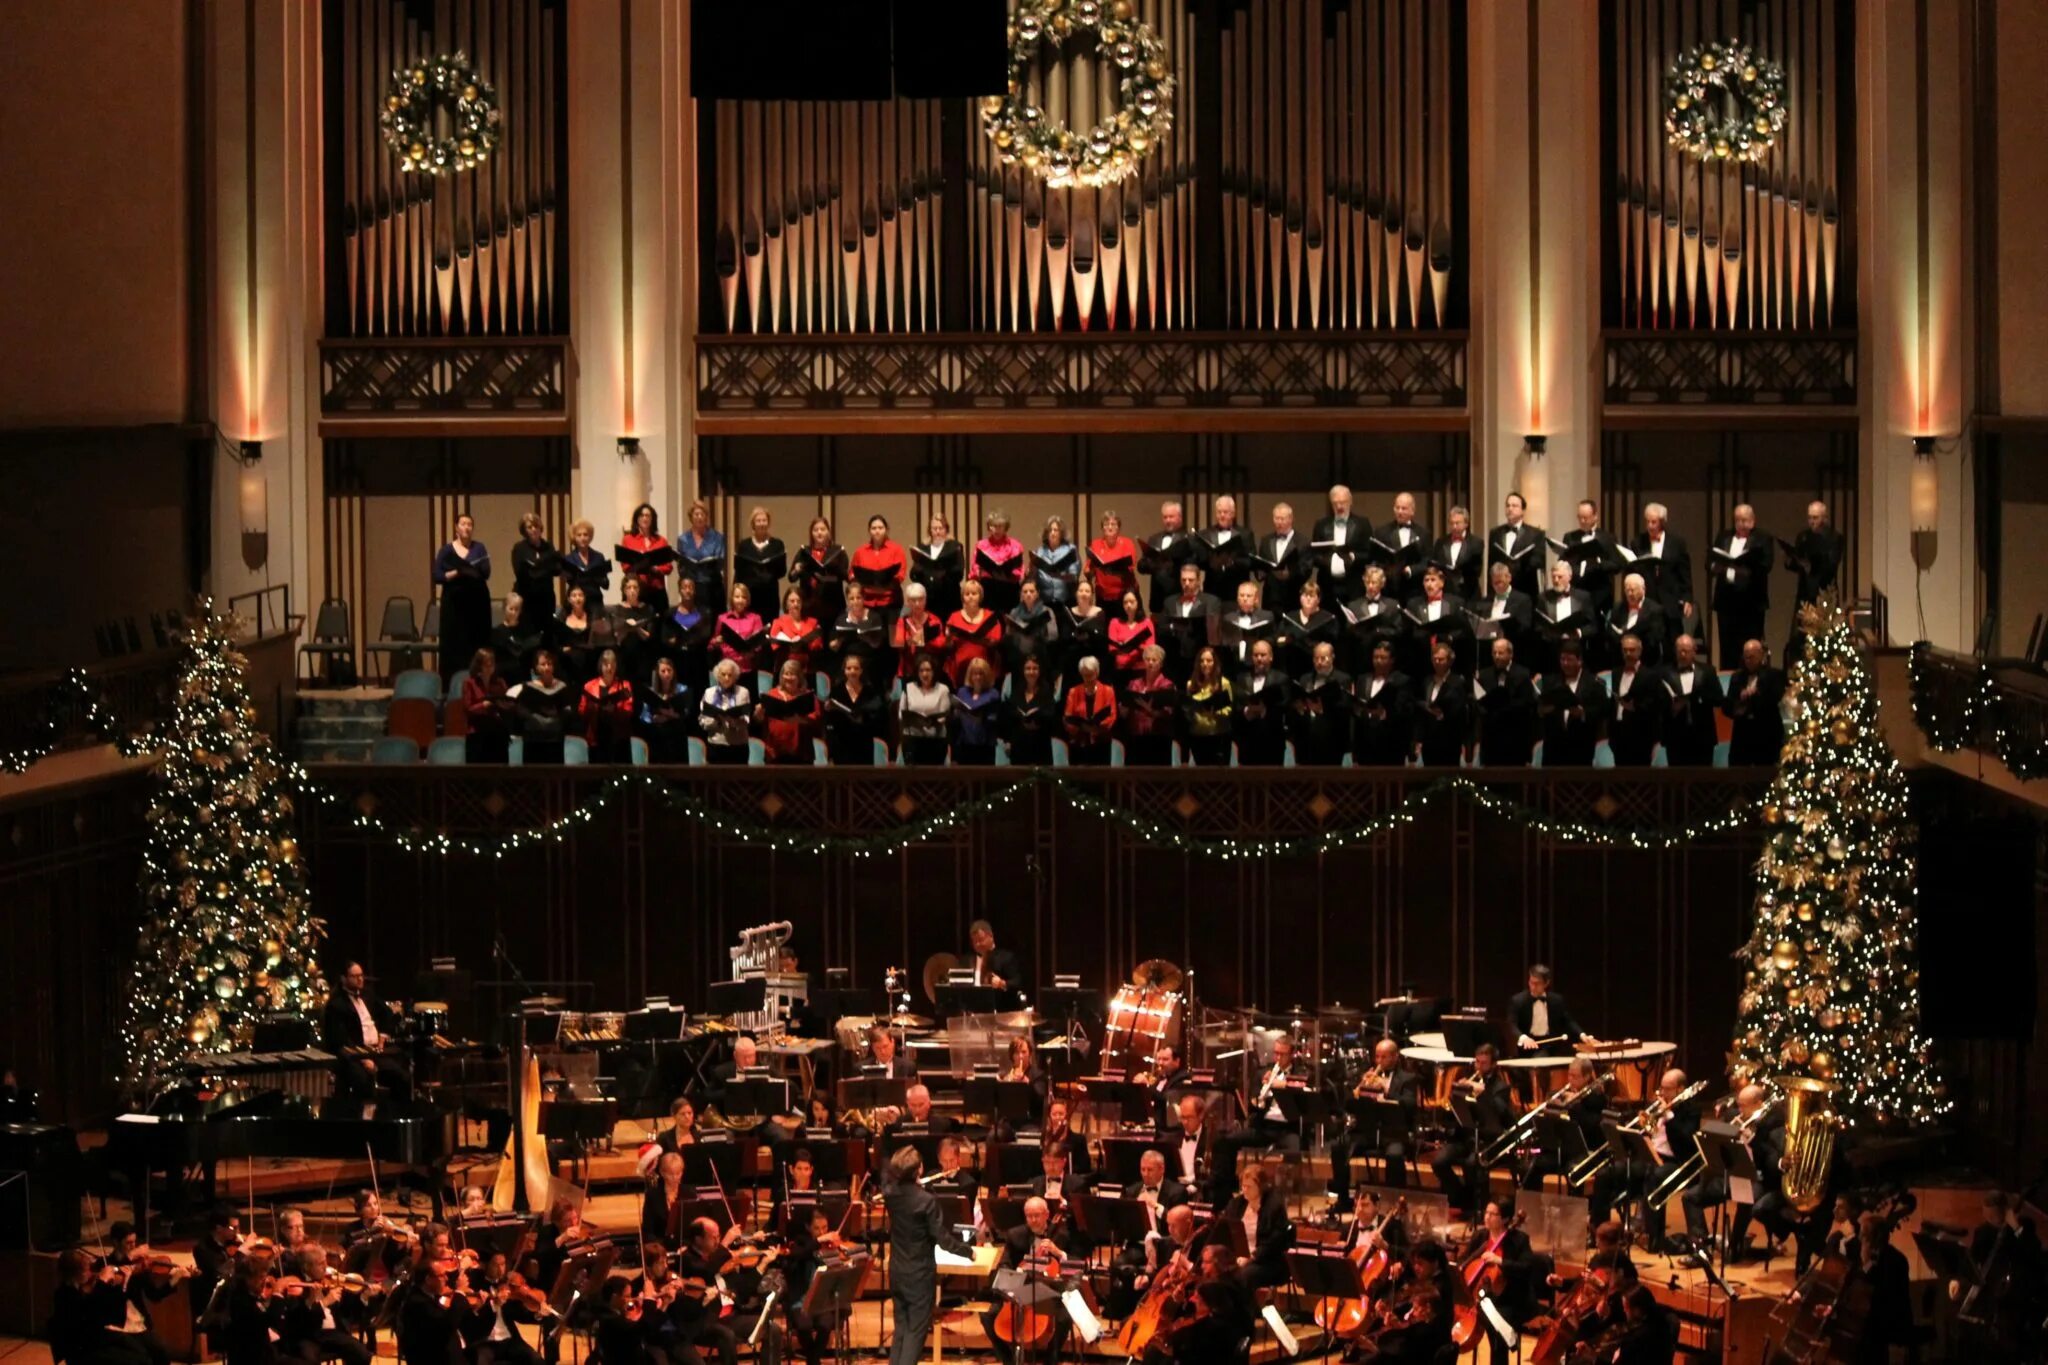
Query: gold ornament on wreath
[[1026, 135], [448, 82], [1743, 123]]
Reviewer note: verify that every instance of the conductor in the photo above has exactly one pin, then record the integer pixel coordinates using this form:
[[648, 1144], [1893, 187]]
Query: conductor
[[917, 1228]]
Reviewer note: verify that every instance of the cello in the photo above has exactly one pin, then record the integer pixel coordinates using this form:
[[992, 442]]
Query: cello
[[1029, 1328], [1563, 1334], [1368, 1251], [1150, 1315], [1481, 1277]]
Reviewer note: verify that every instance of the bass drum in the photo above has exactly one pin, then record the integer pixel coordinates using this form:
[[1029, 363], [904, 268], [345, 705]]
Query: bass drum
[[1140, 1019]]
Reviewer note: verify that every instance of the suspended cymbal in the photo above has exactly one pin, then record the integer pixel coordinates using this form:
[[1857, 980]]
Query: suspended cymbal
[[1158, 973], [910, 1021], [1339, 1012], [935, 969]]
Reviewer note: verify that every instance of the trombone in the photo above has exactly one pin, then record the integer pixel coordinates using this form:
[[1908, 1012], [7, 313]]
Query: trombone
[[1644, 1121], [1565, 1097], [1695, 1165]]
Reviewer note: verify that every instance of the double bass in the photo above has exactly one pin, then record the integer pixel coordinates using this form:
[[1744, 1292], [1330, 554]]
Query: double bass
[[1481, 1277]]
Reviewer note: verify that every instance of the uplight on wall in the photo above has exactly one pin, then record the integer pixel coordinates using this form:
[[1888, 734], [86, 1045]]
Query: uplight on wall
[[1926, 485], [1534, 445], [252, 496], [629, 447]]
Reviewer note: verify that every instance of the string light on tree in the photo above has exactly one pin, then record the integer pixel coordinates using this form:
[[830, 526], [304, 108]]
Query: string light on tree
[[227, 931], [1832, 987]]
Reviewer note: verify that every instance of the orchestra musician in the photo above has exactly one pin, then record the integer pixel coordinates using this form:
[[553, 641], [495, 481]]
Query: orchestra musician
[[1190, 1140], [1387, 1081], [884, 1051], [1458, 1169], [713, 1322], [1036, 1240], [1216, 1326], [916, 1230], [1165, 1076], [661, 1207], [954, 1176], [354, 1021], [1496, 1243], [1886, 1286], [1058, 1134], [1052, 1181], [1671, 1126], [256, 1317], [370, 1222], [1415, 1327], [1267, 1127], [812, 1245], [88, 1325], [1762, 1130], [1174, 1242], [1544, 1027], [622, 1339], [1268, 1231], [994, 966], [916, 1116], [1585, 1104], [322, 1322], [1153, 1186]]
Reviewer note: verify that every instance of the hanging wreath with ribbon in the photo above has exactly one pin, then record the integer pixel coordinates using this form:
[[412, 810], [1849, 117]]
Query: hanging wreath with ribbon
[[445, 82], [1025, 136], [1744, 123]]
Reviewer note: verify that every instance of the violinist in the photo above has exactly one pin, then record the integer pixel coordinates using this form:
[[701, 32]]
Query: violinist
[[321, 1322], [88, 1323], [661, 1208], [213, 1255], [503, 1302], [1888, 1321], [430, 1319], [1415, 1322], [1058, 1135], [150, 1280], [256, 1316], [1217, 1325], [623, 1337], [369, 1223], [1386, 1081], [563, 1235], [811, 1246], [1492, 1101], [1500, 1257], [1034, 1244], [699, 1313]]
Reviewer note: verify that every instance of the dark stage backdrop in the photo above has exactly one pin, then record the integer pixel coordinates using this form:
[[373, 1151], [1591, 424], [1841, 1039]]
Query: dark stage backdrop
[[648, 898]]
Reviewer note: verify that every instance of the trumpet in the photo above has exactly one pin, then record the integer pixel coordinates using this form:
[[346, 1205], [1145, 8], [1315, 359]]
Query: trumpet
[[1374, 1081]]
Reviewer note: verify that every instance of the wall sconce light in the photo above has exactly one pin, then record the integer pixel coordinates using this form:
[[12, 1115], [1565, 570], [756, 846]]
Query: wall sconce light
[[1534, 444], [252, 451], [1924, 502], [252, 496], [629, 447]]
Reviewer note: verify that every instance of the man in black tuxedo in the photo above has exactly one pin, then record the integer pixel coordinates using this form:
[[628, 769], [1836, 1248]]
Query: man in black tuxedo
[[1287, 550], [1190, 620], [1757, 735], [1406, 542], [1539, 1013], [1459, 1171], [1518, 545], [1671, 1142], [1225, 550], [995, 966], [1153, 1185], [1690, 730], [1263, 695], [1507, 710], [1564, 614], [1384, 703], [1766, 1143], [1593, 555], [1506, 609], [917, 1228], [917, 1116], [1636, 717], [1169, 1073], [1165, 552], [354, 1020], [1321, 706], [1342, 537], [1573, 704], [1741, 565], [1459, 554], [1670, 582], [1442, 711], [1816, 556], [1036, 1238], [1387, 1081]]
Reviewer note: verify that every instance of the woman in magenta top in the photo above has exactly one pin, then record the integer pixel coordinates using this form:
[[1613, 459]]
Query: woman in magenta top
[[975, 633], [999, 563], [1128, 636], [879, 568], [644, 535], [739, 635]]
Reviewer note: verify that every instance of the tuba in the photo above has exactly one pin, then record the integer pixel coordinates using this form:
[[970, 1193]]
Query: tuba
[[1811, 1125]]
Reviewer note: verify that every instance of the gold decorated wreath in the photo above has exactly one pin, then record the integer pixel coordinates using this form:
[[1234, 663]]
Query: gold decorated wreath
[[1024, 136], [1744, 123], [447, 82]]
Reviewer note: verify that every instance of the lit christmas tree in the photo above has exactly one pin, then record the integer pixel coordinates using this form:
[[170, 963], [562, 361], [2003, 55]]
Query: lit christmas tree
[[1832, 989], [227, 935]]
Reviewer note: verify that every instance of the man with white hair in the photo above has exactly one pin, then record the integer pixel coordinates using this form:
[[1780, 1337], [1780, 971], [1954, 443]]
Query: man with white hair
[[1226, 551], [1693, 728], [1163, 554], [1669, 574], [1285, 565], [1335, 543], [1741, 560]]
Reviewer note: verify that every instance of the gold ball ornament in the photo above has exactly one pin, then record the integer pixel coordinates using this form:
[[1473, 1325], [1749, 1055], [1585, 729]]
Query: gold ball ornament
[[1707, 61], [468, 146], [288, 849], [1785, 955], [418, 151], [1771, 813], [1822, 1064], [1843, 733], [469, 93], [1749, 74], [1684, 101], [1123, 10], [264, 876], [1805, 911], [393, 102]]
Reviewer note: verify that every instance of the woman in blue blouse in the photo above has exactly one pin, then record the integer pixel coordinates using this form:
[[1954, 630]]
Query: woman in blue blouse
[[462, 571], [1056, 564], [977, 707], [702, 551]]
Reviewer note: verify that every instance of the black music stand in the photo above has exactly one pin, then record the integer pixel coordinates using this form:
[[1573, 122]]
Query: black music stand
[[496, 1232], [1728, 1158], [1303, 1107], [1557, 1133], [1112, 1220], [655, 1025], [1020, 1160], [870, 1093], [1380, 1124], [1121, 1155], [736, 997], [831, 1295], [1071, 1004], [711, 1161], [1030, 1292], [541, 1028], [916, 1135], [763, 1095], [1327, 1277], [1010, 1100], [1133, 1101], [950, 999], [1463, 1035], [708, 1201]]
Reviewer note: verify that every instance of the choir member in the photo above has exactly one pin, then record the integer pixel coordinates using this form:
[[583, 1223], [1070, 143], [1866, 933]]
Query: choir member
[[1635, 720], [938, 565], [1084, 632], [794, 636], [643, 538], [536, 565], [724, 711], [1282, 564], [1506, 700], [1337, 543], [1816, 556], [1163, 555], [1269, 1232], [1129, 636], [1383, 731], [544, 706], [880, 568], [917, 631], [924, 712], [700, 554], [687, 633], [1543, 1025], [1563, 614], [629, 628], [856, 714], [787, 716], [1263, 696], [607, 710], [518, 638], [1691, 727], [1206, 711], [860, 634], [741, 636], [1741, 559], [759, 561], [1190, 622], [1031, 715], [975, 633], [1593, 555], [1400, 545], [1112, 560], [1459, 1171], [1225, 552], [1519, 545], [1320, 709], [821, 570], [583, 566], [487, 709], [1372, 618], [1507, 613], [1754, 694], [1056, 564], [1670, 581], [1459, 555], [977, 707], [1436, 617], [1573, 704], [1443, 706], [1635, 615], [1239, 628], [665, 707], [1150, 709], [1030, 631], [572, 639], [1090, 715], [1297, 633], [462, 571], [999, 563]]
